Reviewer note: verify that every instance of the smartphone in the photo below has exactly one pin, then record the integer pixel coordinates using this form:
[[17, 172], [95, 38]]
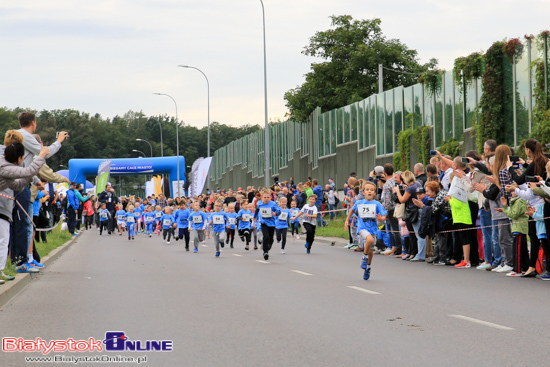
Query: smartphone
[[433, 152], [57, 135], [514, 158], [530, 179], [465, 160]]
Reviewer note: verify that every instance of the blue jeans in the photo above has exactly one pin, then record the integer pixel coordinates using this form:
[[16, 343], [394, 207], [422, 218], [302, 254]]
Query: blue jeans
[[421, 241], [320, 220], [332, 214], [496, 247], [485, 219]]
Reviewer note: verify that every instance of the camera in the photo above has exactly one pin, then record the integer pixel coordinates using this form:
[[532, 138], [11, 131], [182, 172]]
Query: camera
[[433, 152], [464, 160], [514, 158], [531, 179]]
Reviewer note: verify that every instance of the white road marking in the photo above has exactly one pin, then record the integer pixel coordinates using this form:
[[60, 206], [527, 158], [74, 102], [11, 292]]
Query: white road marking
[[237, 255], [481, 322], [204, 245], [301, 272], [263, 262], [362, 289]]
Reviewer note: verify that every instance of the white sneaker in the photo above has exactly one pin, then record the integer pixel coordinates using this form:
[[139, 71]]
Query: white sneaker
[[283, 251], [349, 245], [297, 237], [167, 242], [505, 269], [387, 251], [376, 250], [497, 268], [513, 274], [2, 281]]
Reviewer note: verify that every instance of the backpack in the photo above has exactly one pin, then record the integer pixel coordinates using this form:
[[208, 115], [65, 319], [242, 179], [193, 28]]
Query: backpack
[[540, 261]]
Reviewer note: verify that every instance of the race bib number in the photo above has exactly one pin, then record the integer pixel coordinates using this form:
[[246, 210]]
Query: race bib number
[[246, 218], [149, 219], [167, 222], [366, 211], [104, 215], [130, 219], [120, 217], [265, 212], [295, 213], [197, 219], [232, 221], [217, 219], [158, 215], [283, 216]]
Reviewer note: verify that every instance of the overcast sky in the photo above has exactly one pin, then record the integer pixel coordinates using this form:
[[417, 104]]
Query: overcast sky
[[109, 57]]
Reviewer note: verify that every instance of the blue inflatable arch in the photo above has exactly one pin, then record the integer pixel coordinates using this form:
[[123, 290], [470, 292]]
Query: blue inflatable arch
[[80, 168]]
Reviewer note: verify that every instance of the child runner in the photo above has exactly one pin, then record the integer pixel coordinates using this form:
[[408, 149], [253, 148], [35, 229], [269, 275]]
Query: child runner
[[219, 223], [245, 228], [309, 212], [267, 210], [281, 225], [103, 217], [120, 219], [137, 214], [208, 226], [295, 224], [232, 220], [369, 211], [130, 221], [182, 220], [149, 218], [197, 223], [168, 223], [158, 215]]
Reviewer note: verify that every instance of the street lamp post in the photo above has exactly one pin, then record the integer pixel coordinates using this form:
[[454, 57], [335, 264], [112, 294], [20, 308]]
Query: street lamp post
[[139, 151], [177, 135], [266, 148], [208, 96], [150, 146]]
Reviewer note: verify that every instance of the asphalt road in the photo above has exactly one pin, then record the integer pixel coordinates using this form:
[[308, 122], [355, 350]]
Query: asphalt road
[[295, 310]]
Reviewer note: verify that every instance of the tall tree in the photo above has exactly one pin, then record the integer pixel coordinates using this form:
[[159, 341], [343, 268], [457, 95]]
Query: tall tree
[[352, 50]]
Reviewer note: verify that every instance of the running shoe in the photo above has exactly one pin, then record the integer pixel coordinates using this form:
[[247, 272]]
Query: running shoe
[[282, 251], [463, 265], [364, 262], [366, 274], [497, 268], [167, 242], [5, 276], [217, 254], [546, 277], [308, 251], [26, 269], [266, 256], [513, 274], [196, 250], [222, 244], [187, 249], [354, 247], [36, 263]]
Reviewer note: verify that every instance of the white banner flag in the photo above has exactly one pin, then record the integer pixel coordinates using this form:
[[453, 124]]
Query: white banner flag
[[199, 173]]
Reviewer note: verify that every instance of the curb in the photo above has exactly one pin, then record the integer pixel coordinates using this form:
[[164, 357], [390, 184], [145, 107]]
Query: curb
[[11, 288], [333, 241]]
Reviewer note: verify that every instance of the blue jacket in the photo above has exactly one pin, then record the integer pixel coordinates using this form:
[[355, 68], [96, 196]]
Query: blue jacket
[[538, 215], [72, 201], [265, 212], [318, 190]]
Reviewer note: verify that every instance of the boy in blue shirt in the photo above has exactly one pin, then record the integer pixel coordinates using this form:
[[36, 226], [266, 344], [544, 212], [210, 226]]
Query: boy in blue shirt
[[267, 210], [158, 214], [245, 223], [149, 218], [281, 225], [130, 221], [182, 220], [232, 221], [369, 211], [120, 219], [103, 217], [168, 223], [197, 223], [295, 224], [218, 222]]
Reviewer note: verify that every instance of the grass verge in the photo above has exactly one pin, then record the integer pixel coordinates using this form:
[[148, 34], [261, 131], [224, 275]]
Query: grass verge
[[56, 238], [334, 228]]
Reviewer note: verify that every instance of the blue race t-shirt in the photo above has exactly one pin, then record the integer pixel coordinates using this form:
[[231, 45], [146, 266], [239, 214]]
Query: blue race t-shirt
[[36, 204], [366, 215], [265, 211], [167, 220], [197, 220], [149, 217], [245, 218], [219, 221], [103, 215], [182, 218], [120, 215], [231, 219], [282, 219]]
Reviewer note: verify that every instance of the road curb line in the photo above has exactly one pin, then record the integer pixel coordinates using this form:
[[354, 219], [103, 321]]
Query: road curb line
[[12, 288]]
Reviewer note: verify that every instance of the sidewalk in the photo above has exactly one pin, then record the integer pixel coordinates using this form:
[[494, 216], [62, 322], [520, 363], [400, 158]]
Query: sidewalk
[[10, 289]]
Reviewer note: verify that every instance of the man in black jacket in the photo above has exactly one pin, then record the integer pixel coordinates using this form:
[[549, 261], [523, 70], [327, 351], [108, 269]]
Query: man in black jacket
[[109, 198]]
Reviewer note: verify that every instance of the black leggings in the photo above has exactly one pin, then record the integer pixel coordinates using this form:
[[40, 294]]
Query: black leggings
[[310, 234], [535, 243], [184, 233], [413, 241], [267, 233], [230, 233], [282, 233], [245, 233], [169, 232]]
